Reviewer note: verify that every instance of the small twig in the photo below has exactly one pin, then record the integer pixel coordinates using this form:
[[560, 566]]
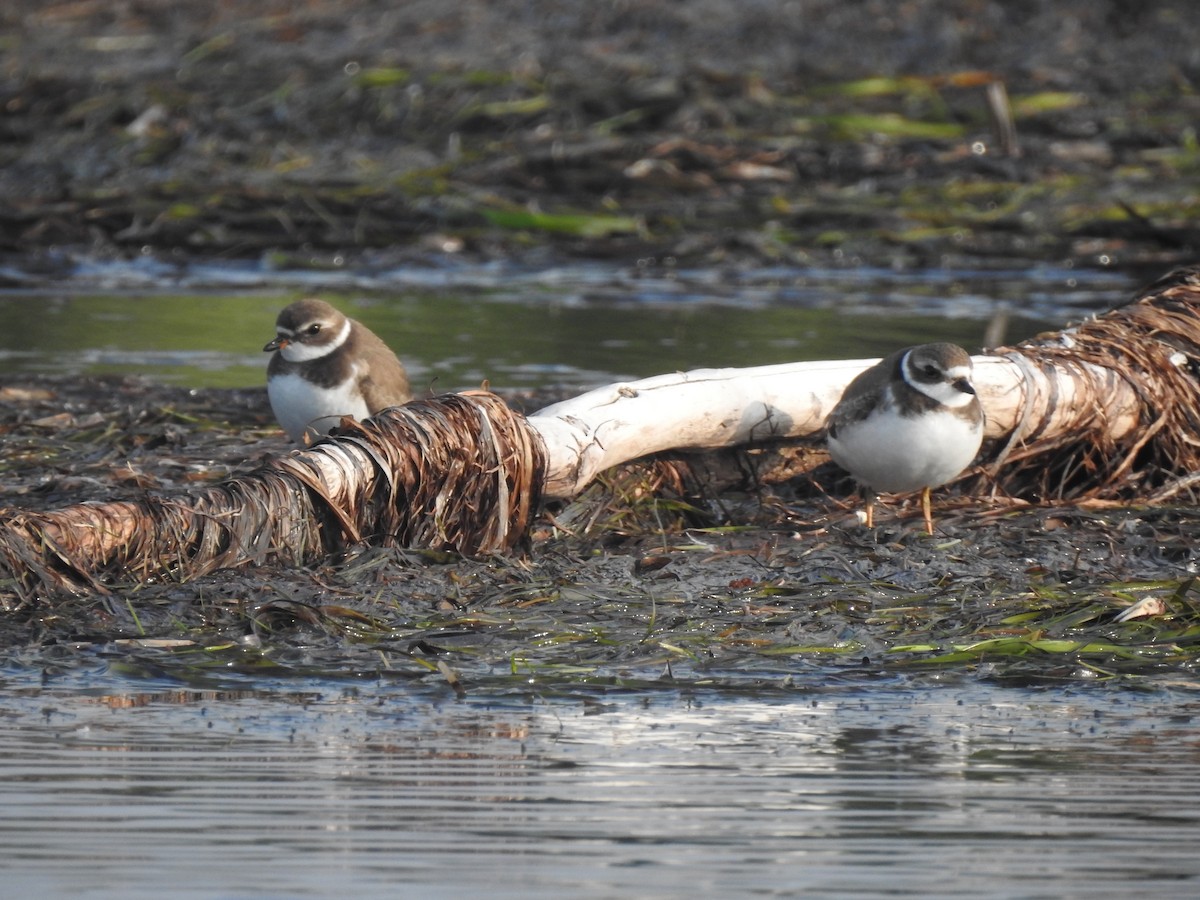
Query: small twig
[[1002, 119]]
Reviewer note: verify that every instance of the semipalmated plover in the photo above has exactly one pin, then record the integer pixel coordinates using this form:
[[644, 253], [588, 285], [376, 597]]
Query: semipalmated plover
[[325, 366], [910, 422]]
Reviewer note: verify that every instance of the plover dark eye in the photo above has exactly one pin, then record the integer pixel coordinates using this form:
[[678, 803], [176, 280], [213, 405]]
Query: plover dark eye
[[314, 328]]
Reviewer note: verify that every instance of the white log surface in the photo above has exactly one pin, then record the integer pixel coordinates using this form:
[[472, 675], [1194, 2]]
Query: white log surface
[[709, 408]]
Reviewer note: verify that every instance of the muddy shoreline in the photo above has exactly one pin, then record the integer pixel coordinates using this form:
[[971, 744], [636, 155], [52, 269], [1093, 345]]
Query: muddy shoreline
[[741, 592], [360, 135]]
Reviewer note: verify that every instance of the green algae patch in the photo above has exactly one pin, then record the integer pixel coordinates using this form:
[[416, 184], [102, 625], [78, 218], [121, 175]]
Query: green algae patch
[[571, 224]]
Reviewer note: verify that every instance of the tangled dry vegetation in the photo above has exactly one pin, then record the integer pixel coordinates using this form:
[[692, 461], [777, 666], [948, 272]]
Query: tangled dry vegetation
[[1131, 430], [433, 474]]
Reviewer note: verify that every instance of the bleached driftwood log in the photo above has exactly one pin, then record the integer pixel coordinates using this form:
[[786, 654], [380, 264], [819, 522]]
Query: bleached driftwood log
[[710, 408], [1109, 409]]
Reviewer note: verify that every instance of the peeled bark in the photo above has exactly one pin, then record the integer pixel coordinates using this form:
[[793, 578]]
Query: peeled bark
[[1110, 409]]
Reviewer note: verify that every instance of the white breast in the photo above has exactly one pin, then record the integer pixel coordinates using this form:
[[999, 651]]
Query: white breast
[[897, 454], [301, 406]]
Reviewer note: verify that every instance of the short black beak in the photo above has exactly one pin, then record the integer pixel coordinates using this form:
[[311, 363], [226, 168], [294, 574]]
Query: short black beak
[[275, 344], [965, 386]]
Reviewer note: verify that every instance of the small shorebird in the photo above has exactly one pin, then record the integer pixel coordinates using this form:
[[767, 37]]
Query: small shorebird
[[325, 366], [910, 422]]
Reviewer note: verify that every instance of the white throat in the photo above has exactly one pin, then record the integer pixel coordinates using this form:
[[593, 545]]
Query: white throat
[[297, 352]]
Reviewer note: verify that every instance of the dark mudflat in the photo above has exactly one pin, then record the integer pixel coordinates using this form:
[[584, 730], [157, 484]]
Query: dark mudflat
[[370, 133]]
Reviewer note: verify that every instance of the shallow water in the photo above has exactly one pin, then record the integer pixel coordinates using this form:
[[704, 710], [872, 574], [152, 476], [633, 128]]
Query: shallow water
[[571, 328], [115, 788]]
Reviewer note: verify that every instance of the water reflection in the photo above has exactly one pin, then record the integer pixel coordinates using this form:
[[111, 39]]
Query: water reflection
[[321, 788]]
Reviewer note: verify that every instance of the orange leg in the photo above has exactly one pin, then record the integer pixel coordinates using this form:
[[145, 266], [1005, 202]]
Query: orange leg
[[870, 508], [925, 509]]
